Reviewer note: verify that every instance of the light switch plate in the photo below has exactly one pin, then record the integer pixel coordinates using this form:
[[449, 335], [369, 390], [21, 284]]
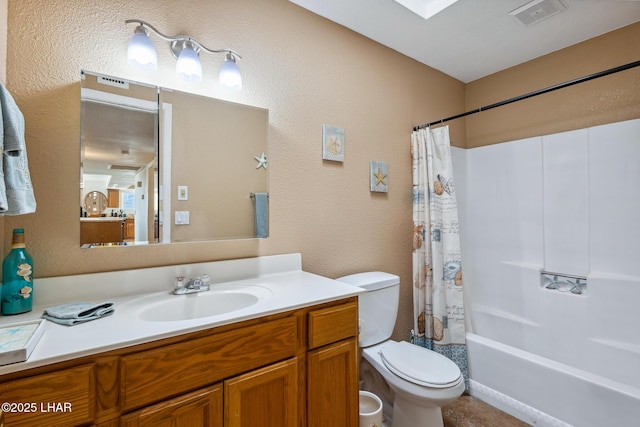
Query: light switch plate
[[182, 217], [183, 192]]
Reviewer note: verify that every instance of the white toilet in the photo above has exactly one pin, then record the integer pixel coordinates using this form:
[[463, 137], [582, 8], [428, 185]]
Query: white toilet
[[421, 380]]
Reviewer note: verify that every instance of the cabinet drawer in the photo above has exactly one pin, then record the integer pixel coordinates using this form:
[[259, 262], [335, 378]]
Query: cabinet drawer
[[153, 375], [333, 324], [63, 398]]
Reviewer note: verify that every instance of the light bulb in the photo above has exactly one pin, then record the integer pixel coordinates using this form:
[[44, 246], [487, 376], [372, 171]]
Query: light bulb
[[188, 66], [141, 53], [230, 77]]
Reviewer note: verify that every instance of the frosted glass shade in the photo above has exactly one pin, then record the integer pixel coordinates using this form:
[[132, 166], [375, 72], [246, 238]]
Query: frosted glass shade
[[141, 53], [188, 66], [230, 77]]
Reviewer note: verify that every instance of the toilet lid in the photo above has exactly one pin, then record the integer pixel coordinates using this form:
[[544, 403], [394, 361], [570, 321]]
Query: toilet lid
[[420, 365]]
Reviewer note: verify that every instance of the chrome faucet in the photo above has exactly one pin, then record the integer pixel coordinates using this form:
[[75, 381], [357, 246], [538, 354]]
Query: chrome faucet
[[200, 284]]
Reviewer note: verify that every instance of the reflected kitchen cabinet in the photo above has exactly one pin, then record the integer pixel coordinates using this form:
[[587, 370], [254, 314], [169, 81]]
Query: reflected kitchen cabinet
[[113, 198], [100, 230], [129, 228]]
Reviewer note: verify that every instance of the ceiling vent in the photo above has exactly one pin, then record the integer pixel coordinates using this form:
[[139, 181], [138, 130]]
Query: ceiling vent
[[110, 81], [537, 10]]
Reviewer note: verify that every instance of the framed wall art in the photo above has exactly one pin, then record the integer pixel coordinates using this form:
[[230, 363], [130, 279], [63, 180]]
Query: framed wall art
[[379, 176], [332, 143]]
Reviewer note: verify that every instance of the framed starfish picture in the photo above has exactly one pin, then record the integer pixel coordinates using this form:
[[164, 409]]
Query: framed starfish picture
[[332, 143], [379, 176]]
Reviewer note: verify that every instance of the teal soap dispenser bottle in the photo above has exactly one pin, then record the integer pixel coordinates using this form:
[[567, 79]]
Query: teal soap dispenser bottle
[[17, 277]]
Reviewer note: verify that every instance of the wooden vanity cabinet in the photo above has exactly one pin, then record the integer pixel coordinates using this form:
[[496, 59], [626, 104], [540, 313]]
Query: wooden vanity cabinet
[[332, 367], [292, 369]]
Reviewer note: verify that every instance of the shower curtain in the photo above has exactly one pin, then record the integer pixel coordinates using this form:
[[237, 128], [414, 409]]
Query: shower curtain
[[437, 267]]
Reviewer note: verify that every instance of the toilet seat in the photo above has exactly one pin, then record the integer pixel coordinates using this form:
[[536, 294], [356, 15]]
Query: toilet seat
[[419, 365]]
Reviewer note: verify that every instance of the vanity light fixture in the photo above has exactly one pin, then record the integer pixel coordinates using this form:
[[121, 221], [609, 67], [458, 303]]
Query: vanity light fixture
[[141, 53]]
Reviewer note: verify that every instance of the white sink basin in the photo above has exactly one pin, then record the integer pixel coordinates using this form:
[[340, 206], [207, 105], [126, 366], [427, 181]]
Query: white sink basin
[[221, 299]]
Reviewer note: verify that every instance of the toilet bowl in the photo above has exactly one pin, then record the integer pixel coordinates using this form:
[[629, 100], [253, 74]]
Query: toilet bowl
[[422, 381], [420, 389]]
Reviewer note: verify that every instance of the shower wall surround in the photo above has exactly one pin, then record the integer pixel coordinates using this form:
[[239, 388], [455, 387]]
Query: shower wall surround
[[565, 203]]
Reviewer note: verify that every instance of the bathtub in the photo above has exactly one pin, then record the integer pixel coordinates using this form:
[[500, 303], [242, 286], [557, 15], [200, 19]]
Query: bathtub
[[542, 392], [557, 359]]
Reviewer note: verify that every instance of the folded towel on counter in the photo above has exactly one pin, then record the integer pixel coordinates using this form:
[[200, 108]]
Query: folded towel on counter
[[78, 312]]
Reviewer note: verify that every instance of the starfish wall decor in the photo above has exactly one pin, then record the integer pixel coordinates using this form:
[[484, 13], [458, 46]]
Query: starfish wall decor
[[262, 161], [379, 176]]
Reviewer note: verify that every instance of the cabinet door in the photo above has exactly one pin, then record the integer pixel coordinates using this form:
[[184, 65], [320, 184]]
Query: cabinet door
[[332, 389], [113, 198], [129, 228], [200, 408], [267, 397], [100, 232]]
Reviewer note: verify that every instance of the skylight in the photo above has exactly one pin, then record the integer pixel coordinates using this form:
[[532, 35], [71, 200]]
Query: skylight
[[426, 8]]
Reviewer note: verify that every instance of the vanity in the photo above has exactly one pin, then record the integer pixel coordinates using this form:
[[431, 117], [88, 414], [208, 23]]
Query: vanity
[[287, 357]]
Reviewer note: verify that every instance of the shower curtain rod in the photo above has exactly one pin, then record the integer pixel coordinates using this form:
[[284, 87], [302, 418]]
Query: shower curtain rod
[[534, 93]]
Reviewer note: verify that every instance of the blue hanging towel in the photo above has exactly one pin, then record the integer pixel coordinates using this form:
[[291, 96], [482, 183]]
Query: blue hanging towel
[[261, 204], [16, 191]]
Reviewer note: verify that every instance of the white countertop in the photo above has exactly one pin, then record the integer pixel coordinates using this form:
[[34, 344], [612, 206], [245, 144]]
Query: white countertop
[[102, 219], [290, 287]]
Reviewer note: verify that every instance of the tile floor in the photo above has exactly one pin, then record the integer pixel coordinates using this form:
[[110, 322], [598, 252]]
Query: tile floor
[[468, 411]]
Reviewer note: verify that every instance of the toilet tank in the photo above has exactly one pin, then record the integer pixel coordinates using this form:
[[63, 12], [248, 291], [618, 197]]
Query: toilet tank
[[378, 307]]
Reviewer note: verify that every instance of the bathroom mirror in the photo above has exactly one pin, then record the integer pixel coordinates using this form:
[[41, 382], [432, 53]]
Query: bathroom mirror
[[175, 166]]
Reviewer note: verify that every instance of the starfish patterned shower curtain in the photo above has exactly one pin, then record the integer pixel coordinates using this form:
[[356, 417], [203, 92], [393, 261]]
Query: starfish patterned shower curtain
[[437, 267]]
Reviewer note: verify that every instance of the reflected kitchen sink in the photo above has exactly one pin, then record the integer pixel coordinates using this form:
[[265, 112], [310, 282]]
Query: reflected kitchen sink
[[221, 299]]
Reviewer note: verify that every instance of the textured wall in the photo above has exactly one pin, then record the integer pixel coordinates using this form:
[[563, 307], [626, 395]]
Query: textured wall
[[306, 70], [604, 100]]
